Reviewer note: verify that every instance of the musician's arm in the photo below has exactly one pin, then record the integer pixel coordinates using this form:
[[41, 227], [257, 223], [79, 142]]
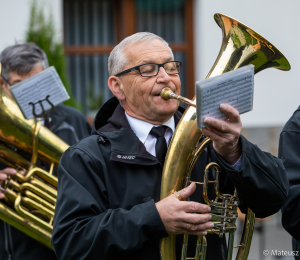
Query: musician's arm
[[289, 152], [261, 183], [84, 225]]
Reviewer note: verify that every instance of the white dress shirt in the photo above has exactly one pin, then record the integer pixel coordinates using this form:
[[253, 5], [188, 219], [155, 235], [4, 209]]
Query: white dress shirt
[[142, 130]]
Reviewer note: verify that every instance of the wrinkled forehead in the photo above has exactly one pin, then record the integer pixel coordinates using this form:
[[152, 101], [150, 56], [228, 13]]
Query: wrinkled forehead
[[147, 51]]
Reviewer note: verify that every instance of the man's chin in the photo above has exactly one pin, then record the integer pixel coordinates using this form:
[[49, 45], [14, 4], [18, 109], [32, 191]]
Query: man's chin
[[157, 100], [166, 108], [167, 111]]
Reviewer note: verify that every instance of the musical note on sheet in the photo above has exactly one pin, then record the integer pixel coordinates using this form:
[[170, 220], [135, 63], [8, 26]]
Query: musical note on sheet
[[234, 88]]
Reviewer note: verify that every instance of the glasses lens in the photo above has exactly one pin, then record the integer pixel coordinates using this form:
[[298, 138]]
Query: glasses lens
[[172, 67], [148, 70]]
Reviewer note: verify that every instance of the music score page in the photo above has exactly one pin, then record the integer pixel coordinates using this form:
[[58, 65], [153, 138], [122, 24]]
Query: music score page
[[234, 88], [37, 88]]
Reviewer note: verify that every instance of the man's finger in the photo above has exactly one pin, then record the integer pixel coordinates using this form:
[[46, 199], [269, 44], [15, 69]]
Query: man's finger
[[197, 227], [186, 192], [231, 112], [197, 233], [216, 137], [217, 124], [192, 206], [9, 171], [3, 176], [196, 219], [22, 172]]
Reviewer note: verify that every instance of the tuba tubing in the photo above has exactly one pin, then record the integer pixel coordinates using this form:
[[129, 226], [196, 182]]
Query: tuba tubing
[[29, 200], [240, 46], [18, 132]]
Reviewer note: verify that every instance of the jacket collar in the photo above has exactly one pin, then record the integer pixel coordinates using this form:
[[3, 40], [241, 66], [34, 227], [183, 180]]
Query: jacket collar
[[112, 124], [104, 113], [111, 116]]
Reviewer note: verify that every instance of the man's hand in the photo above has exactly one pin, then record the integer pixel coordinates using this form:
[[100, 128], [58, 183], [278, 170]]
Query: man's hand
[[3, 177], [180, 217], [225, 134]]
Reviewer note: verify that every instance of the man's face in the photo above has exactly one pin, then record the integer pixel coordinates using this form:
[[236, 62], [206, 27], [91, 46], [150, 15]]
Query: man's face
[[16, 78], [142, 94]]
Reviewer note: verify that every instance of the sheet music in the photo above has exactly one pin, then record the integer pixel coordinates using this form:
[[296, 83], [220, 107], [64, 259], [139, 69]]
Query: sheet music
[[234, 88], [37, 88]]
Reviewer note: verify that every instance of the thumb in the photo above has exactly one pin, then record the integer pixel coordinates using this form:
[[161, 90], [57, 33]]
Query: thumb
[[188, 191]]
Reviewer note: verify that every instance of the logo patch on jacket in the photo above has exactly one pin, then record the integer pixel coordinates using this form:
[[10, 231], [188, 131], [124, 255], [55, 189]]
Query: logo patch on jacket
[[133, 158], [126, 157]]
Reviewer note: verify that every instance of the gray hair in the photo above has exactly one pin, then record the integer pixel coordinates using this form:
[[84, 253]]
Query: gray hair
[[22, 58], [117, 59]]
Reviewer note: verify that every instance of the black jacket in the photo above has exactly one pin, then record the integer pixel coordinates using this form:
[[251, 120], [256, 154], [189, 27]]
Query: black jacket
[[70, 125], [289, 152], [109, 183]]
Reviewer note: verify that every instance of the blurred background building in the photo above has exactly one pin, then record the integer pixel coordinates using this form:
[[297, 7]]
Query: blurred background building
[[89, 29]]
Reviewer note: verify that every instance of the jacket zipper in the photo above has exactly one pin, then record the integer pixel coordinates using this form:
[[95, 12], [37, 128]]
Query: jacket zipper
[[8, 240]]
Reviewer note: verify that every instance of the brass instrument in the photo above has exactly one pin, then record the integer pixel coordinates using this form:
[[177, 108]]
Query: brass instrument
[[241, 46], [30, 199]]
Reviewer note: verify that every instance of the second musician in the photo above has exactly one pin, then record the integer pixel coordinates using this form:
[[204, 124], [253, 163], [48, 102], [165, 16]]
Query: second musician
[[19, 62]]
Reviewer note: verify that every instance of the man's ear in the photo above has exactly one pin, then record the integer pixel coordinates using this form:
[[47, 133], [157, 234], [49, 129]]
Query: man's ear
[[116, 87]]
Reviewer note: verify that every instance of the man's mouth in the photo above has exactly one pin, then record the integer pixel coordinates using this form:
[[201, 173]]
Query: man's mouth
[[158, 94]]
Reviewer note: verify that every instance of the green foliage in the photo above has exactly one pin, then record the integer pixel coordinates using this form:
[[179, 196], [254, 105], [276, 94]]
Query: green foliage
[[42, 32], [94, 101]]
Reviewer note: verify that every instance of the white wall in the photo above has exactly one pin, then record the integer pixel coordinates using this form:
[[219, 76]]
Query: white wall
[[277, 93], [14, 19]]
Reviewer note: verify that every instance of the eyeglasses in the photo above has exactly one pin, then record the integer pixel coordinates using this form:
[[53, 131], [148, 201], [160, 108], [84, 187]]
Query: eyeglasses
[[4, 79], [151, 69]]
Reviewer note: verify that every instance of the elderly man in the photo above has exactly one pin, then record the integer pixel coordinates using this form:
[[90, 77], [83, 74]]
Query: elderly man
[[20, 62], [109, 204]]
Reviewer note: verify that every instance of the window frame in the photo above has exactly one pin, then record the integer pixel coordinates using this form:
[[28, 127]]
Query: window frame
[[125, 15]]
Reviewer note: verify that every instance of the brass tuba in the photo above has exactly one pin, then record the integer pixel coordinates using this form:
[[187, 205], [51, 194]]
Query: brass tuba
[[241, 46], [30, 199]]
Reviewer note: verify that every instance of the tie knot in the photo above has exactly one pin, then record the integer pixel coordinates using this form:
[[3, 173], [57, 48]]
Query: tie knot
[[158, 131]]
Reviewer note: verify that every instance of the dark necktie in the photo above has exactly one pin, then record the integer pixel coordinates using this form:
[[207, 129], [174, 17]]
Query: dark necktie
[[161, 144]]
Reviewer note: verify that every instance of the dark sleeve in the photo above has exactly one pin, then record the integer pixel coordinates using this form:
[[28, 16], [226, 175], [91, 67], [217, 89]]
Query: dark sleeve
[[3, 166], [85, 128], [261, 184], [79, 122], [289, 152], [85, 226]]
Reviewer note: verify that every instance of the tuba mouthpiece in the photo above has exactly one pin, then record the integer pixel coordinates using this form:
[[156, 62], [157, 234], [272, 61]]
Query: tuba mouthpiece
[[165, 93]]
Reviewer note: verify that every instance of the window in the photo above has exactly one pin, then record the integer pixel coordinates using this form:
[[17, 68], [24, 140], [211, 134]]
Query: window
[[93, 27]]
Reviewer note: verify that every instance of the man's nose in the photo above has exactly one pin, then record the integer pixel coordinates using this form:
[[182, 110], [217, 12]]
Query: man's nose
[[163, 76]]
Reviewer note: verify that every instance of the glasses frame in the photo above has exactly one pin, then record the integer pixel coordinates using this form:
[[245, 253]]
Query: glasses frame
[[159, 65], [5, 80]]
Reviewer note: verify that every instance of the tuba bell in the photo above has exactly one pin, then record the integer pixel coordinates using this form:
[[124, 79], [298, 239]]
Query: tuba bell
[[30, 199], [241, 46]]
